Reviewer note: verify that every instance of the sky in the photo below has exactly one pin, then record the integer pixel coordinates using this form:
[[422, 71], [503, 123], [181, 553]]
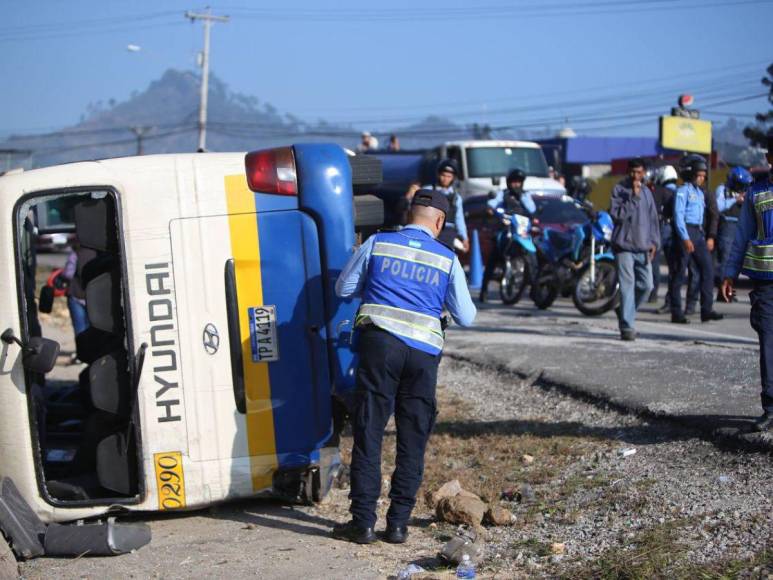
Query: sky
[[603, 67]]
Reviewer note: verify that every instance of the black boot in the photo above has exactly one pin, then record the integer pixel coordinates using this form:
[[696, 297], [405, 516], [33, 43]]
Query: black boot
[[765, 422], [713, 315], [354, 533]]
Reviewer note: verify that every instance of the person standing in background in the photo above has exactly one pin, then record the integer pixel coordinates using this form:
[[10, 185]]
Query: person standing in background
[[663, 194], [690, 240], [730, 197], [635, 240], [751, 255]]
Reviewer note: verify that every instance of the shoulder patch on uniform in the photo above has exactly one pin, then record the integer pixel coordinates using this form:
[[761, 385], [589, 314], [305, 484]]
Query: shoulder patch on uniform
[[414, 244]]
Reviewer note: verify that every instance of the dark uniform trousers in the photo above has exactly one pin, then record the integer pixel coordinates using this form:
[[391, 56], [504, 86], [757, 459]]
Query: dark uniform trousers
[[391, 376], [681, 260], [761, 319]]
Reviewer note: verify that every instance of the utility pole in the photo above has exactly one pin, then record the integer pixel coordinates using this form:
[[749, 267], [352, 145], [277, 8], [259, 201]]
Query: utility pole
[[208, 19], [140, 132]]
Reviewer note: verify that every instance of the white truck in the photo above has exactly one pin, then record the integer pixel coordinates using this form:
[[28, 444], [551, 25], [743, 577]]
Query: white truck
[[483, 165]]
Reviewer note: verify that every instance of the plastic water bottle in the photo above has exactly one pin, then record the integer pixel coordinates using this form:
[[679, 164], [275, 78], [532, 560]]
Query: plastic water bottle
[[466, 569], [409, 571]]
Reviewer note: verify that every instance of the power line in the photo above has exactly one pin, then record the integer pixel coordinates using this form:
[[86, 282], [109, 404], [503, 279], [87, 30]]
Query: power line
[[131, 141], [80, 34], [521, 12]]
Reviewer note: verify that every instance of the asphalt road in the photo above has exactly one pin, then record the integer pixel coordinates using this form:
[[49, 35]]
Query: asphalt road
[[702, 374]]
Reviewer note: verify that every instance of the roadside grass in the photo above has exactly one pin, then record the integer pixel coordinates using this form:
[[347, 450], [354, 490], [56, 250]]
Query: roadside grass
[[657, 552], [488, 458]]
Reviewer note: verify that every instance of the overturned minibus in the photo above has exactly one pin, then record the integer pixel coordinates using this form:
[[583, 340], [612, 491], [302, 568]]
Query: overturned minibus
[[216, 353]]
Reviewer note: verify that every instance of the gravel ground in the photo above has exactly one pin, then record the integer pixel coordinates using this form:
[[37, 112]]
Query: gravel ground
[[678, 506], [717, 501]]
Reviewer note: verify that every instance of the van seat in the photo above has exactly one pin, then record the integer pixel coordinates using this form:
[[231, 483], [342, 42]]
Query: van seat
[[109, 383], [95, 224], [103, 302], [74, 488], [99, 264], [117, 463], [93, 343]]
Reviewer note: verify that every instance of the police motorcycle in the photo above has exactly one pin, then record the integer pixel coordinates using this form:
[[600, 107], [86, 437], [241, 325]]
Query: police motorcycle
[[518, 254], [577, 261]]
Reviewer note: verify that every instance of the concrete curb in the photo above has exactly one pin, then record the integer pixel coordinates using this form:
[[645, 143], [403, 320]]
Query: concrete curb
[[551, 380]]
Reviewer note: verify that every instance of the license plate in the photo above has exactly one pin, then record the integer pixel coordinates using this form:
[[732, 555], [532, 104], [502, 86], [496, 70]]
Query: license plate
[[59, 239], [263, 334], [170, 480]]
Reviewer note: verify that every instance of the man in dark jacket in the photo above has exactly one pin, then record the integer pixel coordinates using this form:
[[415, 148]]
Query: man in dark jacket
[[635, 239]]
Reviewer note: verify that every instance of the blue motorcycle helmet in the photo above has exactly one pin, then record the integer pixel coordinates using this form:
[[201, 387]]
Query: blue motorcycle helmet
[[604, 225], [739, 179]]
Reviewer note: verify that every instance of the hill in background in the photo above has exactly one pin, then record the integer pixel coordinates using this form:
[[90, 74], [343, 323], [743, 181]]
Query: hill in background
[[167, 114]]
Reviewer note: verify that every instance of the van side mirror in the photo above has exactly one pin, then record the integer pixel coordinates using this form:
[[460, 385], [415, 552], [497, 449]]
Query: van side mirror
[[496, 181], [41, 355], [38, 355]]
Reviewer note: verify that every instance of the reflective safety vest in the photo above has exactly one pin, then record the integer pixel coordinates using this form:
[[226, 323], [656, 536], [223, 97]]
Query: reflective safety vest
[[758, 261], [406, 286]]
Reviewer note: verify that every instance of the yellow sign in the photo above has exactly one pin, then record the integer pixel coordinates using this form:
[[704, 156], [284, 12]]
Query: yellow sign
[[684, 134], [169, 480]]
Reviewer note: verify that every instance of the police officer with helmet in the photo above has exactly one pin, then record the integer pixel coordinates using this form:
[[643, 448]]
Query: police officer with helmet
[[405, 279], [690, 241], [447, 172], [730, 198], [752, 254], [513, 200]]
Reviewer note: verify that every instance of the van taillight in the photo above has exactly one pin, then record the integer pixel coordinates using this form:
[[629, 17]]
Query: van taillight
[[272, 171]]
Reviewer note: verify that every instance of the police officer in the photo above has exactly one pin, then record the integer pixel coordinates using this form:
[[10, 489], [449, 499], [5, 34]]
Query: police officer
[[710, 230], [580, 188], [513, 200], [663, 194], [405, 279], [447, 172], [730, 197], [751, 255], [689, 241]]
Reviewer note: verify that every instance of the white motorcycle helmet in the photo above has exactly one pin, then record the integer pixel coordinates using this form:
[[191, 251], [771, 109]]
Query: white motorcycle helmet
[[665, 174]]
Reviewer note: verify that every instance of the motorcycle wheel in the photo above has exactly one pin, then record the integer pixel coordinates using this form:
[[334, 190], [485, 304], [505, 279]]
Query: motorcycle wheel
[[544, 290], [514, 280], [595, 300]]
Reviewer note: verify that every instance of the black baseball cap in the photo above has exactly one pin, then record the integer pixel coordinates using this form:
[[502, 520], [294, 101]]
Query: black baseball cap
[[431, 198]]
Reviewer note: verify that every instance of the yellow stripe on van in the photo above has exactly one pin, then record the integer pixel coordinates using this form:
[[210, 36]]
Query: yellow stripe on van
[[245, 246]]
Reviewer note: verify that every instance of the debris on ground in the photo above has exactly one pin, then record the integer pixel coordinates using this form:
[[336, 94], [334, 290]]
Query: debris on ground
[[496, 515], [466, 542], [461, 509], [449, 489], [557, 548], [410, 571]]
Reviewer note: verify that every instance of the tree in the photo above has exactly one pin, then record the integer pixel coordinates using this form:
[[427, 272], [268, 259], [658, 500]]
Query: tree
[[756, 134]]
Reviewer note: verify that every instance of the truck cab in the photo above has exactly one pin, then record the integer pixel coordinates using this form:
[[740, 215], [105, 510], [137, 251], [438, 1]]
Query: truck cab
[[484, 165], [216, 356]]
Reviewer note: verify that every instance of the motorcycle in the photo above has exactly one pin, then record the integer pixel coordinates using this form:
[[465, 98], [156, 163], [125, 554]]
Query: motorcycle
[[518, 256], [578, 262]]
